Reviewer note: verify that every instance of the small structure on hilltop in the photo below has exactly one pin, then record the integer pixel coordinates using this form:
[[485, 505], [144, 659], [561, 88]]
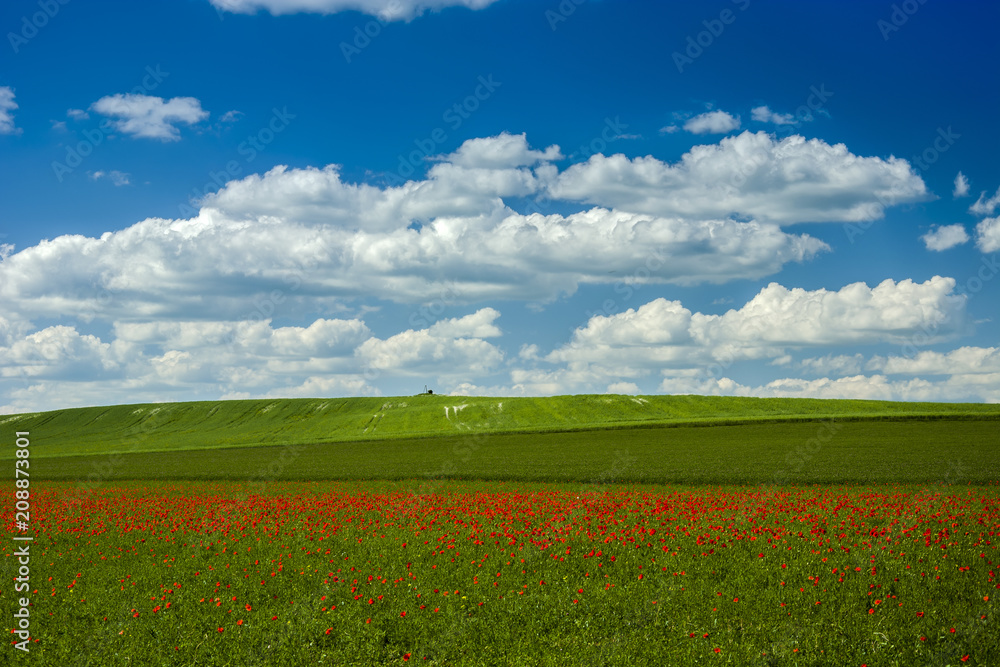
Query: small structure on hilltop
[[428, 391]]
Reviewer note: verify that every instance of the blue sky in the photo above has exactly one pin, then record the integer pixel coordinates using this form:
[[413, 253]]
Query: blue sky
[[255, 198]]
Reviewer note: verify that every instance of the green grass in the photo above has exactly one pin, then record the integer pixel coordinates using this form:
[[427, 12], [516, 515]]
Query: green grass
[[219, 424], [783, 452]]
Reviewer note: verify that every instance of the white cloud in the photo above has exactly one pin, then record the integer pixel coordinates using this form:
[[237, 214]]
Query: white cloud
[[889, 312], [961, 186], [669, 129], [961, 361], [665, 334], [231, 116], [155, 361], [787, 181], [712, 122], [119, 178], [77, 114], [7, 105], [944, 237], [449, 348], [150, 117], [58, 352], [320, 242], [988, 234], [387, 10], [986, 205], [763, 114], [839, 364], [978, 388], [504, 151]]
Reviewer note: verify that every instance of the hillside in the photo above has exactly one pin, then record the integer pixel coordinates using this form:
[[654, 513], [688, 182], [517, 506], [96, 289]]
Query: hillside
[[167, 427]]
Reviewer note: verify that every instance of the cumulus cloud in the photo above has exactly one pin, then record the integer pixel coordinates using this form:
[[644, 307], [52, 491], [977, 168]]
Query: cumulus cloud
[[837, 364], [505, 151], [983, 387], [782, 181], [447, 348], [712, 122], [664, 334], [961, 186], [961, 361], [77, 114], [988, 234], [7, 105], [319, 242], [986, 205], [387, 10], [945, 236], [150, 117], [60, 353], [212, 266], [763, 114], [238, 359]]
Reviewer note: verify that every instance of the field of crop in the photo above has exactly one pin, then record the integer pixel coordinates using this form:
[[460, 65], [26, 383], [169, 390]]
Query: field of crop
[[218, 424], [760, 453], [500, 573], [776, 536]]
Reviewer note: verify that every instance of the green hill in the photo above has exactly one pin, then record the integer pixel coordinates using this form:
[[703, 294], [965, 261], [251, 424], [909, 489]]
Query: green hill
[[170, 427]]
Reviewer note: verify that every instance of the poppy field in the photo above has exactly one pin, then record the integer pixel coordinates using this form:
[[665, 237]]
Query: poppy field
[[491, 573]]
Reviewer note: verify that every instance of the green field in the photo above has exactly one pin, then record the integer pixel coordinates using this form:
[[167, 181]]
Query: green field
[[594, 439], [251, 423], [596, 530], [943, 451]]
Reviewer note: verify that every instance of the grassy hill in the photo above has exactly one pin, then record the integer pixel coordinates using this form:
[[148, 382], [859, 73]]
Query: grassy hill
[[172, 427]]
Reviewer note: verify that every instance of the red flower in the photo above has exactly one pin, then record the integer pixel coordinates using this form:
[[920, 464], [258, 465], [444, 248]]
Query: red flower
[[220, 630], [406, 656]]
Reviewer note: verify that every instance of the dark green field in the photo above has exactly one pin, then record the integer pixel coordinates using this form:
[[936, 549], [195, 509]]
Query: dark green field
[[834, 452], [251, 423]]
